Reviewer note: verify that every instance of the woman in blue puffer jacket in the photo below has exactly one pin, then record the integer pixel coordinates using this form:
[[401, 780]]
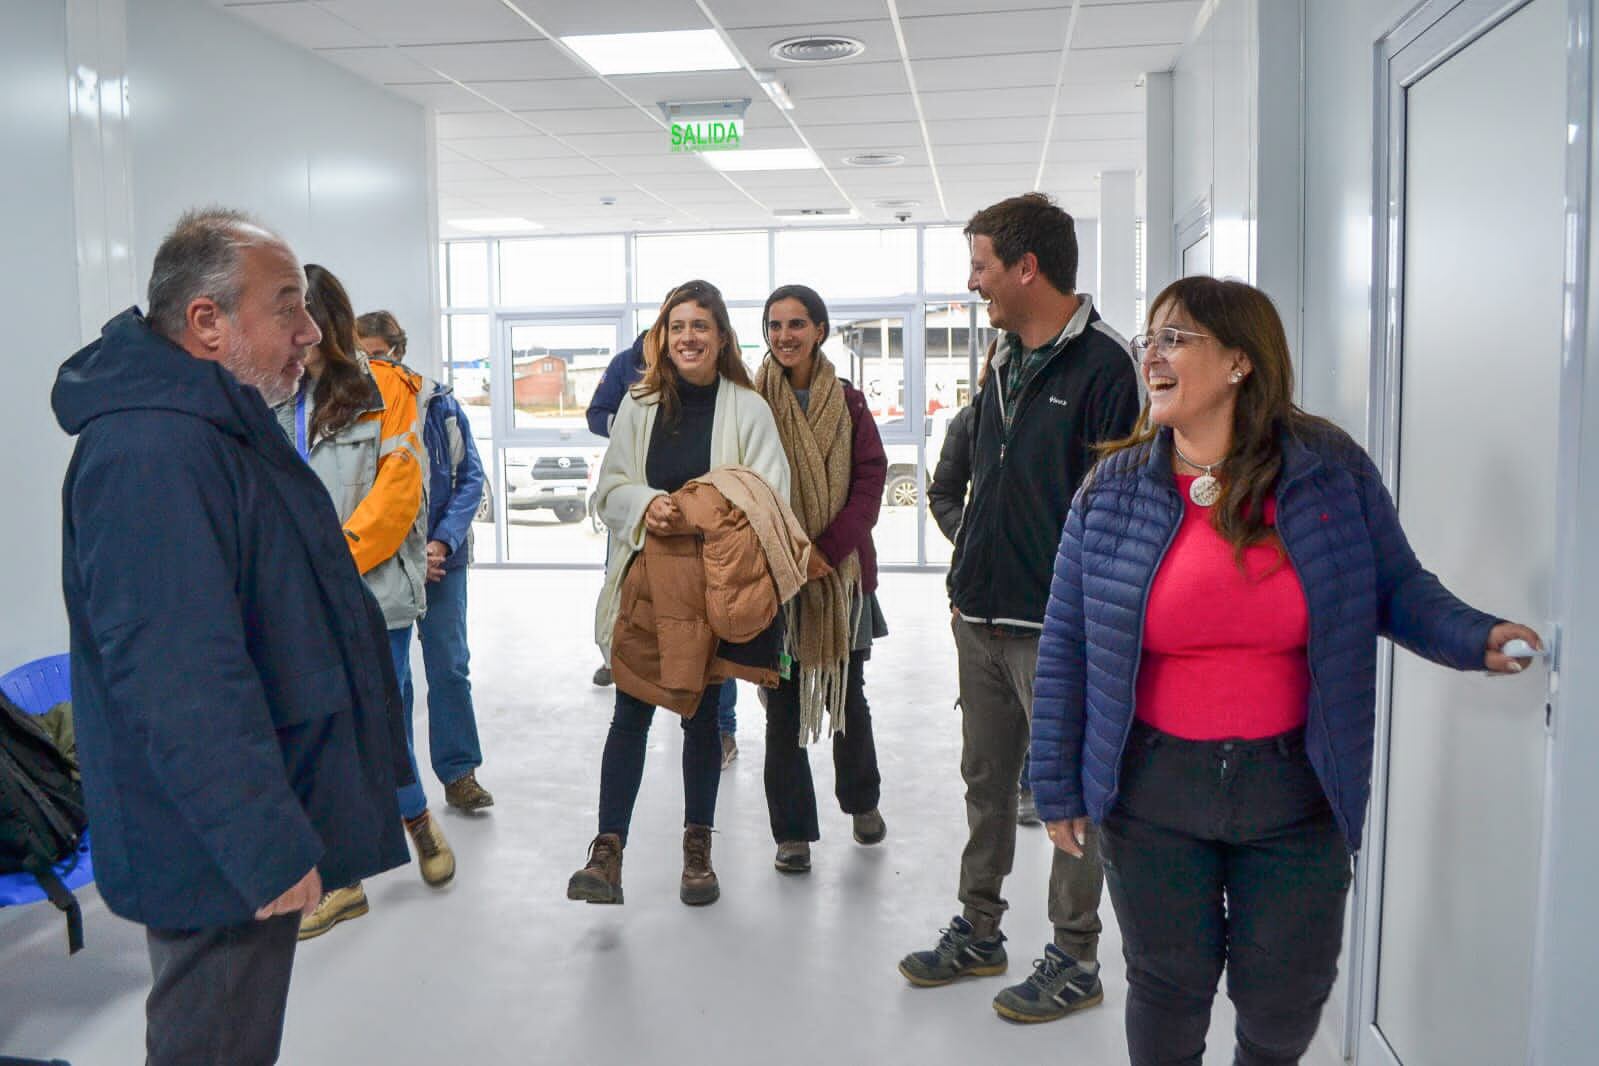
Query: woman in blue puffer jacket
[[1206, 682]]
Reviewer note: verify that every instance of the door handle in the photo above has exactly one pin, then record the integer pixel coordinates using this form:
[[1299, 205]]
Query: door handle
[[1520, 649]]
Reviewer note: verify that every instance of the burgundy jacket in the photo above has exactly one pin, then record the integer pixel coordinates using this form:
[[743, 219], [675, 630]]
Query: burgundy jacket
[[851, 530]]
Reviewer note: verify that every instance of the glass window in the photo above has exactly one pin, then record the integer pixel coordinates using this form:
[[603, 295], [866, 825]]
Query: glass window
[[848, 264], [946, 259], [562, 272], [868, 348], [444, 275], [555, 368], [546, 498], [468, 274], [736, 263], [467, 362]]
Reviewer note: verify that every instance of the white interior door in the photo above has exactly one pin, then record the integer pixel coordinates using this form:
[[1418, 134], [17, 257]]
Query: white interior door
[[1481, 349]]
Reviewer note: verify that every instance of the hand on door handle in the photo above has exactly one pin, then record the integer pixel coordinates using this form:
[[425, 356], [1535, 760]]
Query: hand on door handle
[[1511, 648]]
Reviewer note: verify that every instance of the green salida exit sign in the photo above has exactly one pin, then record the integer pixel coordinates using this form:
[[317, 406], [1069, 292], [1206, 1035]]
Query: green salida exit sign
[[707, 134]]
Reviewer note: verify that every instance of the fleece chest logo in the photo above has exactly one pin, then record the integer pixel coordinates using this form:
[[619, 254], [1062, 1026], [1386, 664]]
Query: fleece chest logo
[[1058, 402]]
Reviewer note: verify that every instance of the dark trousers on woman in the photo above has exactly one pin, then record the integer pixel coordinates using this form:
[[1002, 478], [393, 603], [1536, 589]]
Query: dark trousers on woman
[[622, 767], [1224, 852], [790, 793]]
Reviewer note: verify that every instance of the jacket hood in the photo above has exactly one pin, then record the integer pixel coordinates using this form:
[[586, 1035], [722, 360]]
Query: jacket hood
[[133, 368]]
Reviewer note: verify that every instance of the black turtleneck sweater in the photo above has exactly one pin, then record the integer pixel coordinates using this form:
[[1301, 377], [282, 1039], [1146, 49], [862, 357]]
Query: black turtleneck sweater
[[680, 448]]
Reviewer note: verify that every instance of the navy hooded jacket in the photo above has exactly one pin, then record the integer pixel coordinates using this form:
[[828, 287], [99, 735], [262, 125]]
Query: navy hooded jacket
[[1361, 581], [235, 702], [455, 476], [625, 370]]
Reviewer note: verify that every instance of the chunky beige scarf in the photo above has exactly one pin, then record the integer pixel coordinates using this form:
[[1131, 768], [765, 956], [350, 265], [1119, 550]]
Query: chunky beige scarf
[[821, 619]]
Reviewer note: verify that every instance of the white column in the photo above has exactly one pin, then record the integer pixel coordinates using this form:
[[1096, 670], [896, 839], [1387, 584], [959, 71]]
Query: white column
[[1118, 282], [1160, 265]]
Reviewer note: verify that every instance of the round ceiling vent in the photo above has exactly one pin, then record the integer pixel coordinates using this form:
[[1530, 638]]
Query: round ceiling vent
[[824, 48], [874, 159]]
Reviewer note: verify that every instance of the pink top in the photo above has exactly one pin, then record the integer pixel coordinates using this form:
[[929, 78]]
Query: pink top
[[1224, 649]]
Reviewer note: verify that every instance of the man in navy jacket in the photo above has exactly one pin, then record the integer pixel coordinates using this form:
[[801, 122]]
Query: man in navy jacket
[[236, 707]]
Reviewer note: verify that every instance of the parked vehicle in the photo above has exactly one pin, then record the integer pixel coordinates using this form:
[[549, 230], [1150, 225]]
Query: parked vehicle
[[555, 479], [902, 488]]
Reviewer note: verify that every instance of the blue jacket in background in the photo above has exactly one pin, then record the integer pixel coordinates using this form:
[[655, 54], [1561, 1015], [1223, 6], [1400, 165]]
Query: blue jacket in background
[[234, 697], [1361, 581], [625, 370], [455, 476]]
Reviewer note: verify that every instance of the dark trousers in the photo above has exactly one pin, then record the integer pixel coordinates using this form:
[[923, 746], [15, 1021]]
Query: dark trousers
[[218, 994], [1224, 852], [790, 792], [622, 768], [996, 696]]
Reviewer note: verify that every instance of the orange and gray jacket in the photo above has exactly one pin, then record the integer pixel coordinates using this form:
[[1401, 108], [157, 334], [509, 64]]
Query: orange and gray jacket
[[376, 470]]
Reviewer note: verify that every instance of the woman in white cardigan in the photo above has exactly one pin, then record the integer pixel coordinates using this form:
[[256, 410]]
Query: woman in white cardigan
[[694, 411]]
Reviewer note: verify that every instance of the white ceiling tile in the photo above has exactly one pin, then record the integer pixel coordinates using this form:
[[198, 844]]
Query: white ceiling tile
[[740, 14], [534, 93], [466, 170], [1124, 25], [539, 169], [1099, 127], [498, 59], [854, 78], [650, 89], [489, 124], [490, 149], [870, 137], [987, 103], [1036, 64], [622, 119], [914, 9], [839, 111], [304, 24], [984, 34], [379, 64], [995, 129], [432, 22], [443, 96], [562, 17]]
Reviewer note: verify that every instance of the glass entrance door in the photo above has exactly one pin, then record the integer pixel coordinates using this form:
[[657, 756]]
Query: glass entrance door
[[546, 460]]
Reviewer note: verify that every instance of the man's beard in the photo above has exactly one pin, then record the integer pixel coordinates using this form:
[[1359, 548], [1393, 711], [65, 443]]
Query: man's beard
[[241, 362]]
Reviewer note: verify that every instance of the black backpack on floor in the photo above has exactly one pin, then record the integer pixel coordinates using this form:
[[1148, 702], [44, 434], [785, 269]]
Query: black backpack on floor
[[41, 810]]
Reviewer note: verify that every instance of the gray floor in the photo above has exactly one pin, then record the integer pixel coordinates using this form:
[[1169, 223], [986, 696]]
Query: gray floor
[[500, 968]]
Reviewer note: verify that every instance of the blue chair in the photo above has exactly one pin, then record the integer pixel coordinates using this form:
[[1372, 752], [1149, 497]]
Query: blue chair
[[36, 687]]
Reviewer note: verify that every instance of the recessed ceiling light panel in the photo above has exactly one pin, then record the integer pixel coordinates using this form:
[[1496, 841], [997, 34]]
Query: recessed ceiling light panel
[[817, 48], [874, 159], [669, 52]]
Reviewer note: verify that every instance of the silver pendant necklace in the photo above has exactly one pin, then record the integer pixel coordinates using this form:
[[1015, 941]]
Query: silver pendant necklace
[[1206, 489]]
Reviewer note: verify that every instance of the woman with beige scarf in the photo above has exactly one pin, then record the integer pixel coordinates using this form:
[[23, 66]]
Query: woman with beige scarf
[[837, 468]]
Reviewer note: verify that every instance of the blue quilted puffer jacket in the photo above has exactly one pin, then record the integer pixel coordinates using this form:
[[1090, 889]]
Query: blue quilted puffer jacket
[[1361, 581]]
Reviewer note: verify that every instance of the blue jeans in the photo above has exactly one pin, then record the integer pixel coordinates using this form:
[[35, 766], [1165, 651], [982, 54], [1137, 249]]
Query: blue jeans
[[452, 724], [413, 801], [727, 708]]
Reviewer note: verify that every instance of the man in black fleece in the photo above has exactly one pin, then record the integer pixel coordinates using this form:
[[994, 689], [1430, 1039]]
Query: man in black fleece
[[1060, 383]]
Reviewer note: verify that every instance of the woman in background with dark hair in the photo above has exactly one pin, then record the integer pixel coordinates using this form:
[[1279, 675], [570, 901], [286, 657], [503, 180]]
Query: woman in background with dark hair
[[693, 411], [357, 425], [1206, 682], [837, 467]]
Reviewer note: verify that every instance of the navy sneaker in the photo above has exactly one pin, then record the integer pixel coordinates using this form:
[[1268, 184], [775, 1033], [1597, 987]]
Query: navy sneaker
[[1059, 985], [957, 955]]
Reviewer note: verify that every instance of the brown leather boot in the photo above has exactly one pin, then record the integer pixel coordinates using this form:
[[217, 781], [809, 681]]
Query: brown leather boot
[[699, 880], [601, 880]]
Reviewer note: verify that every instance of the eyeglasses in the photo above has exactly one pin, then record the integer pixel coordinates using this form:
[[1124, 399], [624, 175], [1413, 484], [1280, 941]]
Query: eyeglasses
[[1164, 341]]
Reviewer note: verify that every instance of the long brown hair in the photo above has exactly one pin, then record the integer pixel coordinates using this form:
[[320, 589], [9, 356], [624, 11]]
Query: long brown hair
[[660, 373], [1240, 316], [344, 391]]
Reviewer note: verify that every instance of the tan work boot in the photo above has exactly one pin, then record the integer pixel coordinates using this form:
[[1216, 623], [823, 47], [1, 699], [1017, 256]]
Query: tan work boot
[[433, 852], [337, 906], [699, 880], [600, 881], [465, 794]]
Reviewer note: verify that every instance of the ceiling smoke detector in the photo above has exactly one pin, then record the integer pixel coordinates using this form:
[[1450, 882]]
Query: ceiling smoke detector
[[874, 159], [818, 48]]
